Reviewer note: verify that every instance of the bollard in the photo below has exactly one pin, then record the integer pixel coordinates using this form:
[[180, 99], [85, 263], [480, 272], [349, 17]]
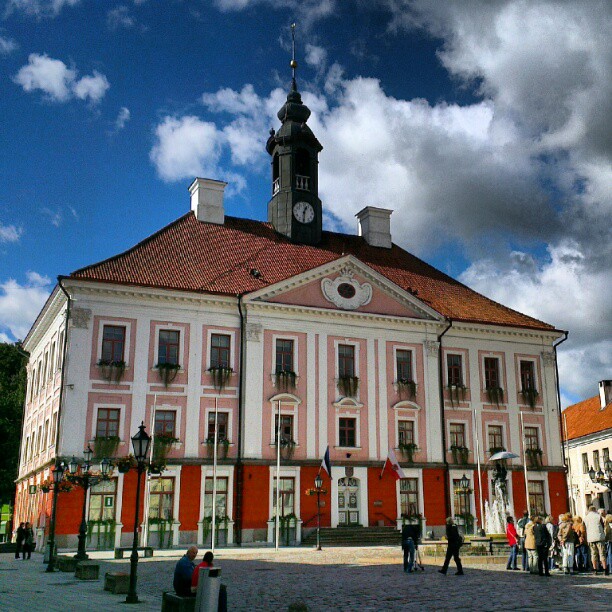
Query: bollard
[[209, 585]]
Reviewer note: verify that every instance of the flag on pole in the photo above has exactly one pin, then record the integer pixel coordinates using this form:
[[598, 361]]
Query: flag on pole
[[393, 464], [325, 464]]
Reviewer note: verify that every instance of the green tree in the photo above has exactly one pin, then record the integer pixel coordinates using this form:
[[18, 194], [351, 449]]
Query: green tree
[[12, 396]]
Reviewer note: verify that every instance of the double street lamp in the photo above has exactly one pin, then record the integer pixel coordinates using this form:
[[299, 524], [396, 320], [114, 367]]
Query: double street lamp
[[601, 477], [58, 475], [141, 443], [80, 475]]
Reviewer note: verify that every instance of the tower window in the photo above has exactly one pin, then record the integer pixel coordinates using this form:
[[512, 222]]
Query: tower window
[[302, 170], [275, 175]]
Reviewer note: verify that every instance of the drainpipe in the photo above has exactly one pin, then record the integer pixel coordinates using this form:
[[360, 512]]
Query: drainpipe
[[239, 475], [565, 459], [447, 503]]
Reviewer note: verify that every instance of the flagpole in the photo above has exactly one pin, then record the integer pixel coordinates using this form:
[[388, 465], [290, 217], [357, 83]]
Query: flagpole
[[525, 462], [481, 503], [569, 468], [278, 444], [214, 491], [147, 495]]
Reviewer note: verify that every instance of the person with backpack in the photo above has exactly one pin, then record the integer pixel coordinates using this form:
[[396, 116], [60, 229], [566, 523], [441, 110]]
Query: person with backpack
[[455, 541], [567, 538]]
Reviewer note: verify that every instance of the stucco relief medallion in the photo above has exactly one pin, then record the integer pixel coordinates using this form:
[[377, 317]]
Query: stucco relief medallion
[[346, 292]]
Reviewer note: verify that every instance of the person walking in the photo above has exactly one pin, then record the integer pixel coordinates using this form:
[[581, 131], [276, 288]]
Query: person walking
[[552, 530], [19, 538], [530, 546], [520, 530], [608, 532], [28, 541], [543, 541], [567, 539], [582, 554], [596, 538], [512, 543], [452, 550], [409, 546]]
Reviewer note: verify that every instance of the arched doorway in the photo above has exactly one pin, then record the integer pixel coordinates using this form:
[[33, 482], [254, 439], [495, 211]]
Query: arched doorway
[[348, 502]]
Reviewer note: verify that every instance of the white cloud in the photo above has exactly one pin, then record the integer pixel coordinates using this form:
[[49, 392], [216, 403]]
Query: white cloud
[[120, 17], [7, 45], [186, 147], [10, 233], [315, 56], [39, 8], [122, 118], [59, 82], [55, 216], [20, 304]]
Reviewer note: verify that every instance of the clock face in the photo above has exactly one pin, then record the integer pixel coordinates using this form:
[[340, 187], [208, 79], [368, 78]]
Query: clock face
[[303, 212]]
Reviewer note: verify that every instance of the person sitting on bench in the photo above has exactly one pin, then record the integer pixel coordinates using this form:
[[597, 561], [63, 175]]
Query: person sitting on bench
[[183, 572]]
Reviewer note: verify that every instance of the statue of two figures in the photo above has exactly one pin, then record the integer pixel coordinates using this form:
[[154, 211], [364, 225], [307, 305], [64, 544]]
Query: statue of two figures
[[497, 511]]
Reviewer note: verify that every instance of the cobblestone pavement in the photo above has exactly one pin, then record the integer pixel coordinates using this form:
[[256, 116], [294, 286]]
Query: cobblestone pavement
[[343, 579]]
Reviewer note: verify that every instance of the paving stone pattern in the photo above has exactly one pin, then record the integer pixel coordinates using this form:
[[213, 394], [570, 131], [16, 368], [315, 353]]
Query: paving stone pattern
[[343, 579]]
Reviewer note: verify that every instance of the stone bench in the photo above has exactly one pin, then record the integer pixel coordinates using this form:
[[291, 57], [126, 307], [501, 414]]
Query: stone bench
[[117, 582], [171, 602], [86, 570], [67, 564], [143, 551]]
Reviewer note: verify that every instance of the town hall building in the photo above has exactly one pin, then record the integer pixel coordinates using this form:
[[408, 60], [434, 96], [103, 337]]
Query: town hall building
[[278, 334]]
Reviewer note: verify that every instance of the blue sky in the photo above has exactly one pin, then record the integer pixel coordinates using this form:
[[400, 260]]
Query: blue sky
[[484, 125]]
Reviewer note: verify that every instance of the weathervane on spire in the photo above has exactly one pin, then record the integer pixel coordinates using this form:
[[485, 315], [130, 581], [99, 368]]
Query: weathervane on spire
[[293, 62]]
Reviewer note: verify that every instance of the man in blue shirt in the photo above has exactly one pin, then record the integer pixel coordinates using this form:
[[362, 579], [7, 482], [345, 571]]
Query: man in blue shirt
[[183, 572]]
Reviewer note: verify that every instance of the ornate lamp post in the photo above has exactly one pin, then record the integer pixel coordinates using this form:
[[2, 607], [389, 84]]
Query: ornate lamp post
[[318, 491], [464, 485], [85, 480], [58, 474], [141, 442]]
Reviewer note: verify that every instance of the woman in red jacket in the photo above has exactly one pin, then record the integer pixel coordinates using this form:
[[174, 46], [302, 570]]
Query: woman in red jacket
[[513, 543]]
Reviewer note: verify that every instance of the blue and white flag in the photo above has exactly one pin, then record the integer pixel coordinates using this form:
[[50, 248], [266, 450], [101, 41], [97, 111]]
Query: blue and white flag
[[325, 464]]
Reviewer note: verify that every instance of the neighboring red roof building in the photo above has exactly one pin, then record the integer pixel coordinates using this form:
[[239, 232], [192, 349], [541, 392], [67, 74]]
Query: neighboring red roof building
[[190, 255], [587, 417]]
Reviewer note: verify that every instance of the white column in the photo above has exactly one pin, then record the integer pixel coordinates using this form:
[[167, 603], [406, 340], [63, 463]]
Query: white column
[[194, 392], [431, 354], [383, 411], [311, 389], [371, 405], [253, 377], [322, 382]]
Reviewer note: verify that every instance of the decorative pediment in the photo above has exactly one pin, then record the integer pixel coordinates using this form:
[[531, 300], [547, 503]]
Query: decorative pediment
[[346, 284]]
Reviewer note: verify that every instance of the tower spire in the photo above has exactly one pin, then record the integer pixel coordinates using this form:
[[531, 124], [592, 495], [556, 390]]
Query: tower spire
[[293, 62]]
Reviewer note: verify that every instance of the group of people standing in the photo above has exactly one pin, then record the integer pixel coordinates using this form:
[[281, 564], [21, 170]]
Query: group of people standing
[[573, 544], [25, 541]]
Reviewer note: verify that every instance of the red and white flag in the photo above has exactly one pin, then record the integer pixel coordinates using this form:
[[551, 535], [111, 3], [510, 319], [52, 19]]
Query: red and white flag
[[393, 464]]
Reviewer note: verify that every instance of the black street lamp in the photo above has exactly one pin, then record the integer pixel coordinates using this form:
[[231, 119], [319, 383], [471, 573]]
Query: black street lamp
[[85, 480], [58, 474], [464, 485], [592, 474], [318, 485], [140, 442]]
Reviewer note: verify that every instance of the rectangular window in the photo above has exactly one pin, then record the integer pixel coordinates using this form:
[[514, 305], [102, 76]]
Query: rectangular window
[[102, 501], [347, 432], [531, 438], [220, 351], [457, 434], [161, 498], [528, 382], [403, 361], [454, 370], [606, 458], [286, 428], [536, 497], [46, 438], [168, 349], [108, 422], [596, 465], [284, 356], [287, 496], [221, 497], [409, 496], [585, 463], [346, 360], [496, 437], [461, 499], [491, 370], [405, 432], [113, 343], [165, 422], [222, 420]]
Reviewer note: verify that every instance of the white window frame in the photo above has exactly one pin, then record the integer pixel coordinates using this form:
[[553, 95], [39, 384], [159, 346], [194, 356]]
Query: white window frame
[[347, 408], [296, 352], [467, 437], [411, 473], [410, 349], [128, 336], [289, 407], [223, 332], [285, 472], [182, 330], [504, 433], [458, 475], [456, 353], [401, 414], [230, 427], [500, 371], [94, 423]]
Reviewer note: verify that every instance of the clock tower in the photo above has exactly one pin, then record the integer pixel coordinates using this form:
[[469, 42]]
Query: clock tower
[[295, 209]]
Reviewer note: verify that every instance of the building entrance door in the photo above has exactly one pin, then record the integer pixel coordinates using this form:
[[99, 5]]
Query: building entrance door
[[348, 502]]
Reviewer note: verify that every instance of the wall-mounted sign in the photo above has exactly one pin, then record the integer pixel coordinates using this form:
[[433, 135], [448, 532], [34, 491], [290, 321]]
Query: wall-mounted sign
[[32, 489]]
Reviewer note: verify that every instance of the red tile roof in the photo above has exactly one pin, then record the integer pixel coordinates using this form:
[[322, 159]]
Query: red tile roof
[[190, 255], [587, 417]]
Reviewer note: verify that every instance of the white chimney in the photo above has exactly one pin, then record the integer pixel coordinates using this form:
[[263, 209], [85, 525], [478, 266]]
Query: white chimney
[[605, 393], [207, 200], [375, 226]]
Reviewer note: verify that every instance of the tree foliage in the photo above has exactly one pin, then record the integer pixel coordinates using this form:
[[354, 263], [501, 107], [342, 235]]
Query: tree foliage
[[12, 396]]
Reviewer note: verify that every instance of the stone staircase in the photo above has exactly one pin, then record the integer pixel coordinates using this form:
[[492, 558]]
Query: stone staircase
[[354, 536]]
